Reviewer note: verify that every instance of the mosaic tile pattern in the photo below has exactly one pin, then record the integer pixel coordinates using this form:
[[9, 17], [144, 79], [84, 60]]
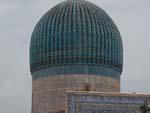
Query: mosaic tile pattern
[[107, 111], [105, 103], [98, 70], [76, 33]]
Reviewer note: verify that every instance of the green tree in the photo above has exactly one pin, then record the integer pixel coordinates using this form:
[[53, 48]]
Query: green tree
[[145, 108]]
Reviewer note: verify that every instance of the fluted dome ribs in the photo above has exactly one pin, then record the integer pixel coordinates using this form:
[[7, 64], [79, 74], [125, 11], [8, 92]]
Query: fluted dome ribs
[[76, 33]]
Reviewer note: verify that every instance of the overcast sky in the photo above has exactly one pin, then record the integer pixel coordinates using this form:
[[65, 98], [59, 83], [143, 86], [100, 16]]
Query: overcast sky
[[17, 20]]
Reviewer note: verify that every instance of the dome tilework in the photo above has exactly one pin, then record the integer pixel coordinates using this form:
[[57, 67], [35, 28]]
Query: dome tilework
[[76, 34]]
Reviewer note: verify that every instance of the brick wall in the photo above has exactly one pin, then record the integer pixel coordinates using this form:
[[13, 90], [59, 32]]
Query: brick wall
[[48, 92]]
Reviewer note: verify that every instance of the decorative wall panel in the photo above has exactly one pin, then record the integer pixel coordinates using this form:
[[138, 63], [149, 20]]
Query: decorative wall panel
[[88, 102]]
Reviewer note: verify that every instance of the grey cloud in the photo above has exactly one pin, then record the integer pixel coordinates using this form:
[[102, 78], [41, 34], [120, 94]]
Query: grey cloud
[[18, 18]]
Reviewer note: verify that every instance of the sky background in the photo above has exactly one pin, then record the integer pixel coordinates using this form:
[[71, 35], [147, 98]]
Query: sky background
[[17, 20]]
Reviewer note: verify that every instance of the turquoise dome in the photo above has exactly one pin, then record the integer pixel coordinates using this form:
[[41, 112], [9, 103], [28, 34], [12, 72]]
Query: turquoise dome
[[76, 37]]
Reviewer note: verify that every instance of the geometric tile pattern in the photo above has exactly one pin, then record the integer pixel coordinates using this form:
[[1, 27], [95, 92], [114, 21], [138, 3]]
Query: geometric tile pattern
[[79, 102]]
